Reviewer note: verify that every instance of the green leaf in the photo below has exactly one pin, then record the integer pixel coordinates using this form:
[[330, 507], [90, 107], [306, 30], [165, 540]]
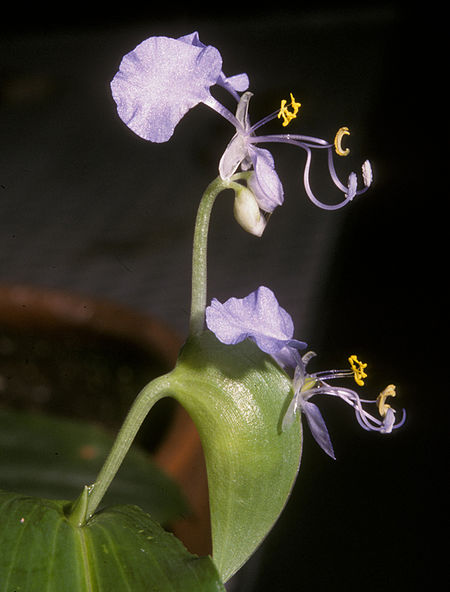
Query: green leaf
[[237, 397], [120, 549], [52, 457]]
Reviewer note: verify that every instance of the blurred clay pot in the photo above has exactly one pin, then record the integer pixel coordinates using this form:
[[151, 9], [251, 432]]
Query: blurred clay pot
[[78, 326]]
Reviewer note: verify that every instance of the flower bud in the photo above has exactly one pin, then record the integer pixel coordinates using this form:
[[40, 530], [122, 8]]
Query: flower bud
[[247, 212]]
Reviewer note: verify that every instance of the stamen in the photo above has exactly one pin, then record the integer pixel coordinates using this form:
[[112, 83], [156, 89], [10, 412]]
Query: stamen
[[367, 173], [358, 370], [284, 112], [325, 375], [383, 407], [343, 131]]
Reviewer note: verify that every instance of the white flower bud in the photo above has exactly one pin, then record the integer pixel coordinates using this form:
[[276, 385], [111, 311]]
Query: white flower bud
[[247, 212]]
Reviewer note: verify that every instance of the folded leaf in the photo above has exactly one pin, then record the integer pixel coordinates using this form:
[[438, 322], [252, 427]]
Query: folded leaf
[[237, 396], [120, 548]]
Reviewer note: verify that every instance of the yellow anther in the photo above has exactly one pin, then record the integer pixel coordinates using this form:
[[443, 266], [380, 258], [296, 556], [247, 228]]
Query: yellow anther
[[389, 391], [358, 370], [284, 112], [343, 131]]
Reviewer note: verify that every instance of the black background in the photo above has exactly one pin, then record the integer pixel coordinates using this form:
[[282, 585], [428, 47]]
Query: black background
[[365, 520]]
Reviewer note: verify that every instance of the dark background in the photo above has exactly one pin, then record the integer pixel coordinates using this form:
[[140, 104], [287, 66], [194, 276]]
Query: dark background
[[87, 206]]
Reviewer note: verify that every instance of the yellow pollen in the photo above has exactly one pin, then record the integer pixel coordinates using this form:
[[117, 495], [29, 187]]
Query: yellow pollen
[[284, 112], [389, 391], [358, 370], [343, 131]]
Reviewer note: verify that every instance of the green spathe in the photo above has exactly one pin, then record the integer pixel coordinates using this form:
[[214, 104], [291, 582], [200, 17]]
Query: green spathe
[[237, 397]]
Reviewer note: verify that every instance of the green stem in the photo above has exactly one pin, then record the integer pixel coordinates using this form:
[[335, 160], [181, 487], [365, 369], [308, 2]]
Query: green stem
[[153, 392], [199, 256], [160, 387], [199, 252]]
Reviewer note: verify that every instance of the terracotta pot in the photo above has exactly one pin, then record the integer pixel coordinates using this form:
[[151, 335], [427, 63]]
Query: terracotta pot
[[179, 452]]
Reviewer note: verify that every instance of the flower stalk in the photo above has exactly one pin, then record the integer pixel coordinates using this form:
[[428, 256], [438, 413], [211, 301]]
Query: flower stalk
[[200, 251], [161, 386], [153, 392]]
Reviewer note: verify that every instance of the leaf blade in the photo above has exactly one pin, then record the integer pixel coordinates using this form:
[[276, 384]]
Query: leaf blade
[[120, 548]]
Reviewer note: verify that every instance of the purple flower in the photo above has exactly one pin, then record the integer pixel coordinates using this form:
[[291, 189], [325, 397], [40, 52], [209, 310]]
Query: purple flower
[[243, 152], [163, 78], [308, 385], [260, 318]]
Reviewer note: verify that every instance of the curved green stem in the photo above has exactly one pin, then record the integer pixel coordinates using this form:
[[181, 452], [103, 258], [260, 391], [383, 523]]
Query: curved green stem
[[153, 392], [160, 387], [199, 252], [199, 256]]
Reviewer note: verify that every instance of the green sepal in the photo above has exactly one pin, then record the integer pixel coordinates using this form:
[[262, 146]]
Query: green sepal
[[237, 396], [120, 548]]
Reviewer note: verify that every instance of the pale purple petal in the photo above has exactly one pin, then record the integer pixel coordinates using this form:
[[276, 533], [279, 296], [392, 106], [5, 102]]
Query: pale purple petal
[[192, 39], [265, 182], [317, 426], [234, 154], [259, 317], [239, 82], [290, 414], [159, 81], [287, 355], [234, 84]]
